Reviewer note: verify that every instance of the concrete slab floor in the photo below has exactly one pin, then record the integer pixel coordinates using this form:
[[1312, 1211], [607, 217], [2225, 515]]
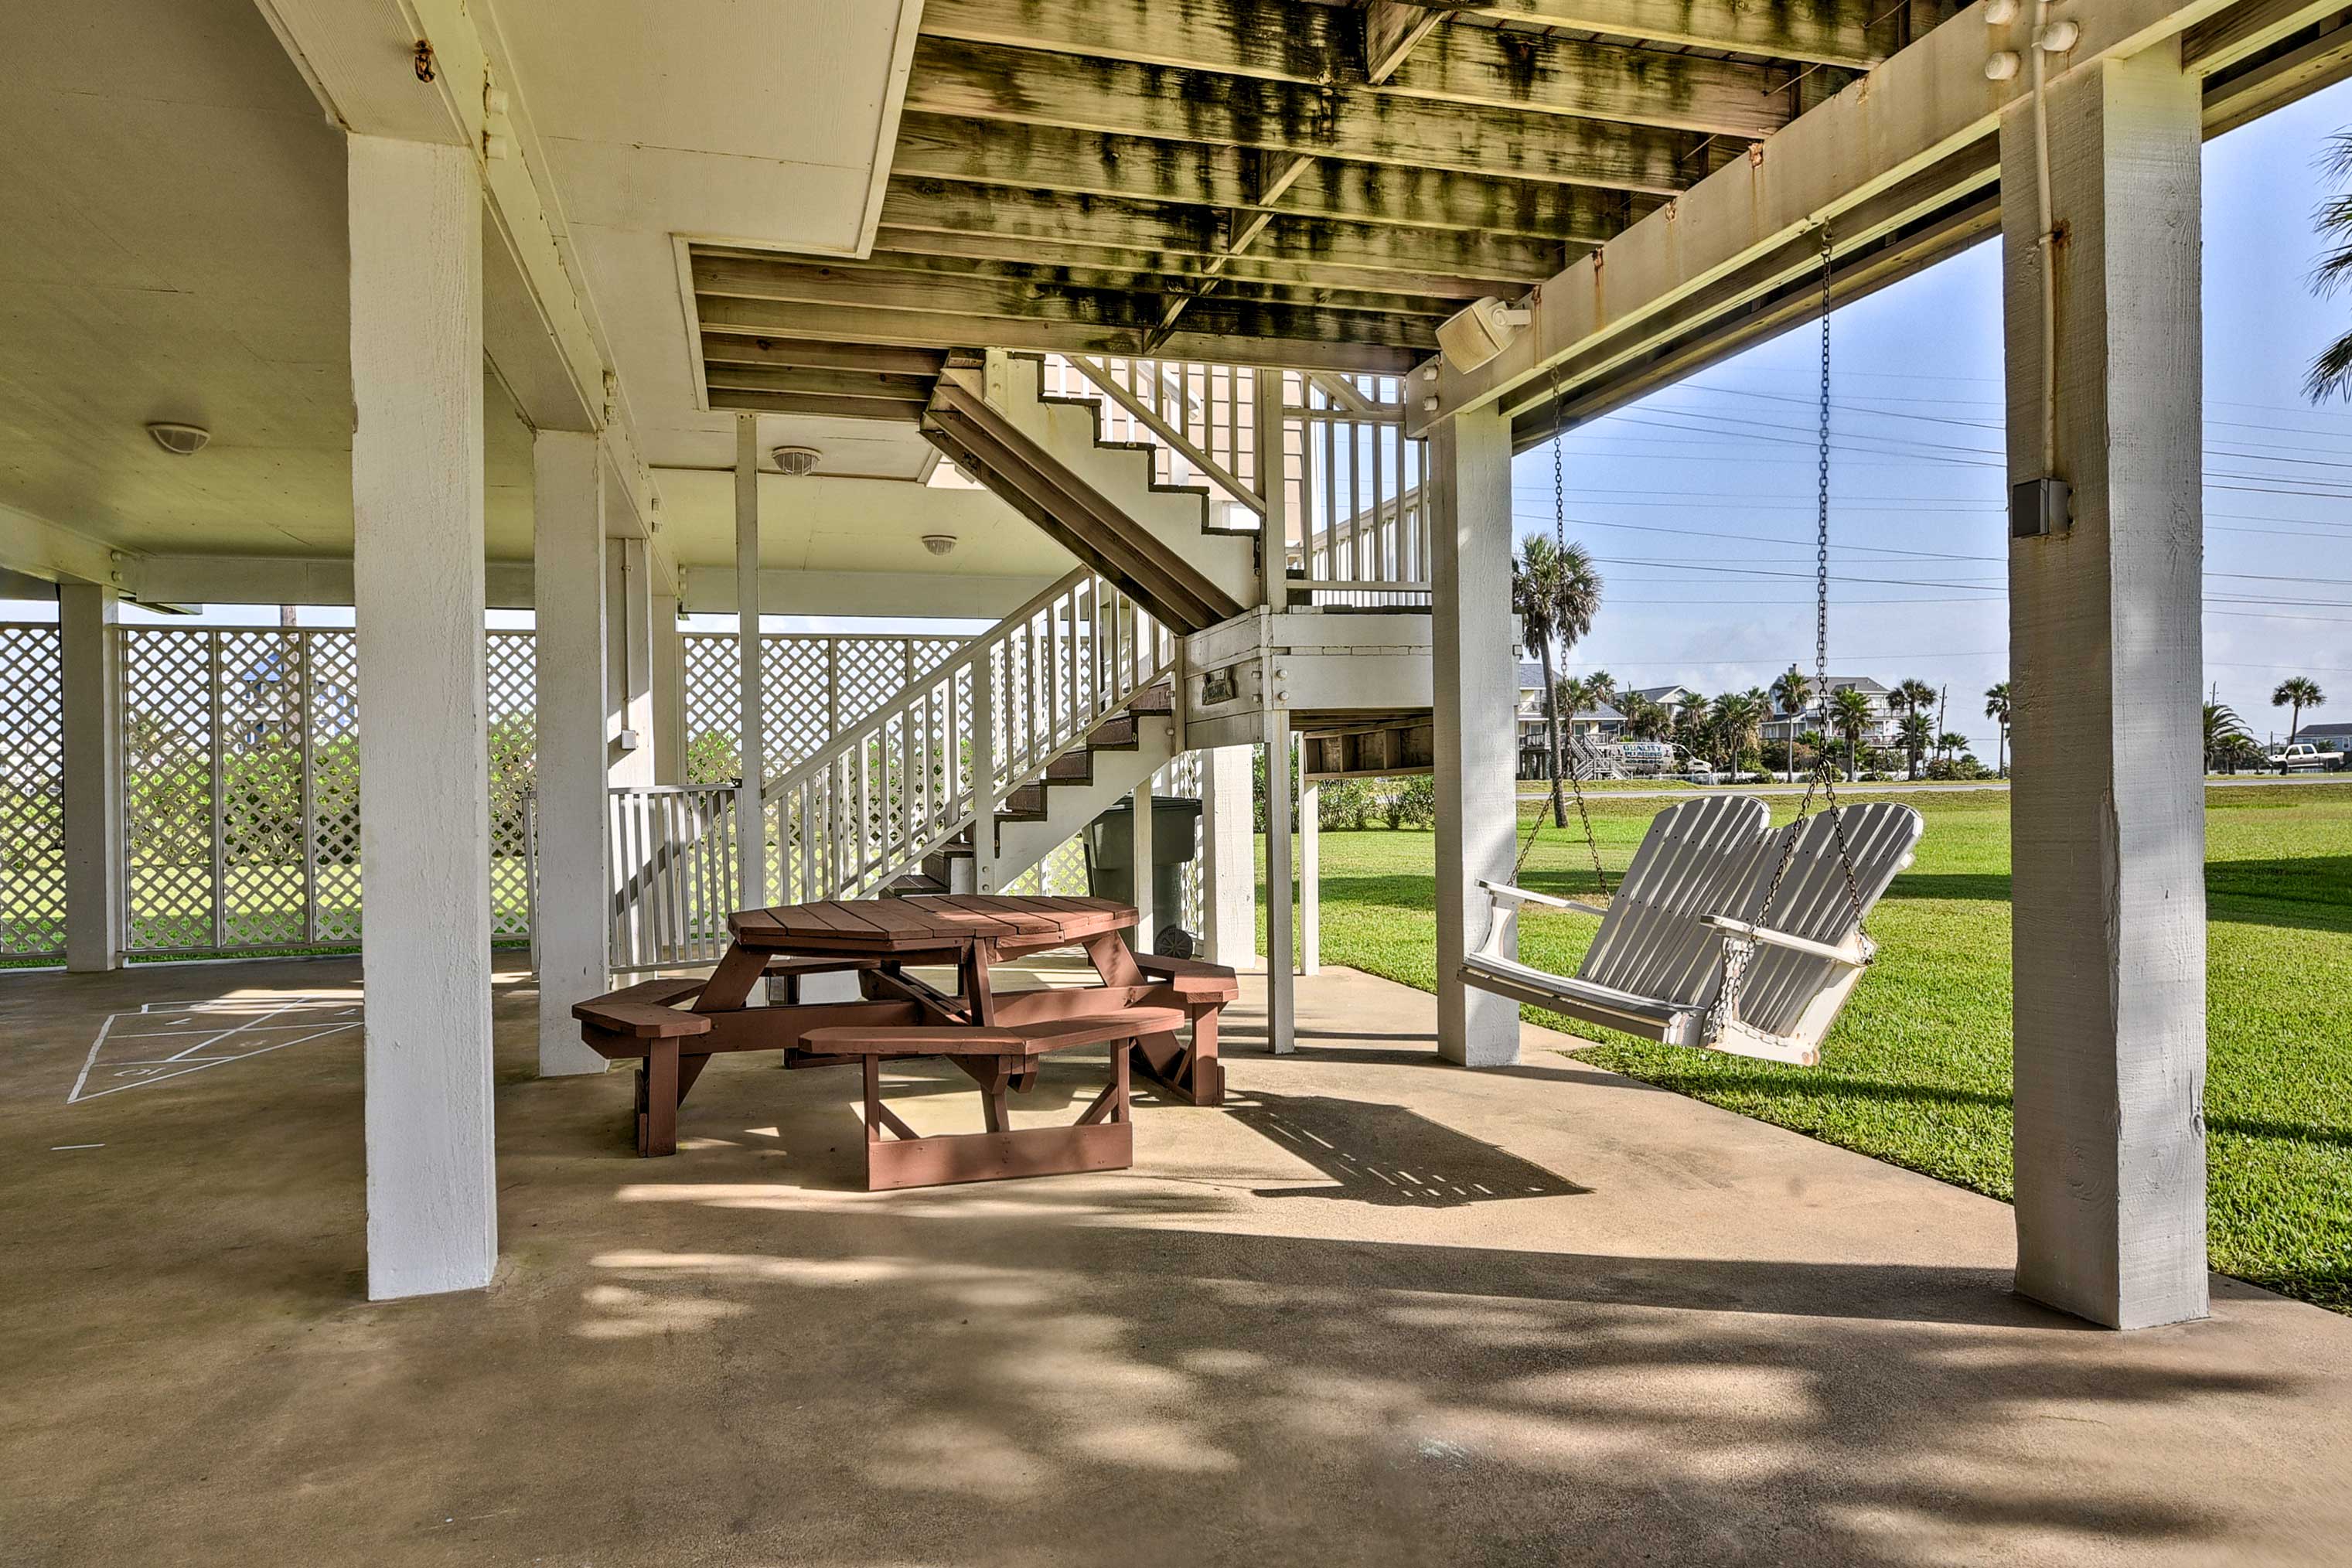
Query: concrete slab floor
[[1378, 1310]]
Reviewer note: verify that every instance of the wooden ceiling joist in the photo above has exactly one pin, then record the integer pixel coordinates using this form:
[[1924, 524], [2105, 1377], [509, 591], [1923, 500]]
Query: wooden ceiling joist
[[735, 400], [1192, 231], [981, 82], [1848, 33], [1313, 184], [766, 318], [1318, 46], [1048, 158], [877, 359], [1183, 273], [822, 382]]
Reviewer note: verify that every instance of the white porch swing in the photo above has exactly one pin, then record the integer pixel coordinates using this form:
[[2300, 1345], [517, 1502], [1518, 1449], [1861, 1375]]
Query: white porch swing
[[1722, 935]]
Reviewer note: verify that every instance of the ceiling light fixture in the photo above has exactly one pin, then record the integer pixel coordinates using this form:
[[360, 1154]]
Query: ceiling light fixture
[[793, 462], [939, 543], [180, 440]]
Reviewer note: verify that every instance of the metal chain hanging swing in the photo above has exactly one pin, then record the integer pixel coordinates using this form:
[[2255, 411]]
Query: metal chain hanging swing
[[1823, 776]]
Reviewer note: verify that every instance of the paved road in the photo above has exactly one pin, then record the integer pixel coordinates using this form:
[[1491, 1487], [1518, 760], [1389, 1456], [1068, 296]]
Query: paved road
[[1536, 790]]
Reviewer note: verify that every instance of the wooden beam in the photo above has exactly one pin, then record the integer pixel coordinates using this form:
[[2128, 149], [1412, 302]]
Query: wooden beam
[[980, 81], [1136, 274], [1190, 231], [1391, 32], [873, 358], [938, 293], [820, 382], [1187, 270], [742, 402], [1903, 122], [772, 318], [1311, 46], [1835, 33], [1083, 162]]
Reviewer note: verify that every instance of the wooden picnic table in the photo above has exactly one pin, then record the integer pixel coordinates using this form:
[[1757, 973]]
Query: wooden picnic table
[[997, 1039]]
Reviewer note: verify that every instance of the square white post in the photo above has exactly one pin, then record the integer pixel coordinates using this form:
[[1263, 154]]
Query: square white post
[[1281, 941], [2105, 655], [669, 691], [425, 850], [93, 775], [1473, 728], [1310, 868], [1228, 851], [629, 681], [575, 870], [750, 820], [1140, 827]]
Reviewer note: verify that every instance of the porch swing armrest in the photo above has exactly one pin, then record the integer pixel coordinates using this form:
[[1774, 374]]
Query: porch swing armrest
[[1767, 937], [1508, 897]]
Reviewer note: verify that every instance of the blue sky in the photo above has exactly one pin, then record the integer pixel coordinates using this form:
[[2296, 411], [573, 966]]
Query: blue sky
[[1718, 473]]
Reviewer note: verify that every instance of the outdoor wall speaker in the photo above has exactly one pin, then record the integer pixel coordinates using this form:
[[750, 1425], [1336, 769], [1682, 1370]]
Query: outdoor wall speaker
[[1480, 332]]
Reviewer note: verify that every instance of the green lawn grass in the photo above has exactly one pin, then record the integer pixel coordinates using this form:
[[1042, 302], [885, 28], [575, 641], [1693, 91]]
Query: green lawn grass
[[1917, 1071]]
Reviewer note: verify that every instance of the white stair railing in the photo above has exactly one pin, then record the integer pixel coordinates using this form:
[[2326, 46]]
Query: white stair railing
[[899, 784], [674, 874]]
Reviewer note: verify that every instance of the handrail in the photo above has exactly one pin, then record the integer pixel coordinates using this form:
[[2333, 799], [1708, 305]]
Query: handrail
[[897, 786], [1095, 370]]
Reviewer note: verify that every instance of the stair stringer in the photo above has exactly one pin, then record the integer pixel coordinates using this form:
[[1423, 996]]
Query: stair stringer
[[1070, 431], [1070, 806]]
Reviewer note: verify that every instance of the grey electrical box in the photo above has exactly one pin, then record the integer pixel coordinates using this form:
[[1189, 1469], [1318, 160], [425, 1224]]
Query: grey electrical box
[[2041, 507]]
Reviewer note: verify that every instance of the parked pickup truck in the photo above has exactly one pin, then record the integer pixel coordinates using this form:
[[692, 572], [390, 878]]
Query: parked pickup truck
[[2305, 757]]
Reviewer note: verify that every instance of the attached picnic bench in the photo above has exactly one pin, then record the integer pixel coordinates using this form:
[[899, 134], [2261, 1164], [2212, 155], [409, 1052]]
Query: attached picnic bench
[[672, 1027], [996, 1058]]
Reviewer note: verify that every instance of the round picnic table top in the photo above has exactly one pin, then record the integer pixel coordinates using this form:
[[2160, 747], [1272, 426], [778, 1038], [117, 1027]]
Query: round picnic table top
[[929, 923]]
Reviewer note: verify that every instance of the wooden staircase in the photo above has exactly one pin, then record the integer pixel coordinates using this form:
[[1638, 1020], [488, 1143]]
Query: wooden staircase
[[1109, 755]]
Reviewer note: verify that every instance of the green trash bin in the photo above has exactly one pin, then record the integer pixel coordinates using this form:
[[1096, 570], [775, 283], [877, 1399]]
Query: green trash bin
[[1175, 841]]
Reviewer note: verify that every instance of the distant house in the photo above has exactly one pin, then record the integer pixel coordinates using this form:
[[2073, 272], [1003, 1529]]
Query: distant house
[[1603, 723], [1885, 729], [2327, 737]]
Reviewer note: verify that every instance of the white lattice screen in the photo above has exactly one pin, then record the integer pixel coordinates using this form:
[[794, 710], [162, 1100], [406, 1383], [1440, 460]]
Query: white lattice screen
[[241, 786], [32, 793], [811, 686]]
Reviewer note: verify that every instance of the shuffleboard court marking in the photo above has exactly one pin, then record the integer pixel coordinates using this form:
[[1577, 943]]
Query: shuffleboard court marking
[[209, 1033]]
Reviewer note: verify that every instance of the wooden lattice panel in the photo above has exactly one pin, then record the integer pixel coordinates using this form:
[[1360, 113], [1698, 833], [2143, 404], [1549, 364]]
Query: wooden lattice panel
[[714, 717], [264, 885], [32, 793], [512, 689], [168, 685], [332, 663], [795, 715]]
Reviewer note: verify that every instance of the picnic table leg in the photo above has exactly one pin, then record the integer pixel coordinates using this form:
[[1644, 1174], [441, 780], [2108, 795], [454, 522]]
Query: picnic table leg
[[657, 1119]]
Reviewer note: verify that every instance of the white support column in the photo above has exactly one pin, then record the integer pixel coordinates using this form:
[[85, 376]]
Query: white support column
[[1281, 941], [750, 821], [1139, 825], [1311, 869], [1228, 851], [569, 554], [669, 692], [416, 572], [1474, 728], [629, 666], [93, 775], [2106, 654]]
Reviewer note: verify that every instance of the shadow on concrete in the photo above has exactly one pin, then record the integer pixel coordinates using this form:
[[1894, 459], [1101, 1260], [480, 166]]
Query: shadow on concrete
[[1388, 1154]]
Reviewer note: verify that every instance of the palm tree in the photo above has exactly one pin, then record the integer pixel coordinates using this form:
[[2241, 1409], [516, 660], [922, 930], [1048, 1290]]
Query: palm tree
[[1789, 690], [2298, 693], [1997, 710], [1914, 697], [1555, 592], [1603, 687], [1950, 745], [1850, 716], [1739, 719], [1917, 732], [2223, 726], [2331, 373], [1644, 719]]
